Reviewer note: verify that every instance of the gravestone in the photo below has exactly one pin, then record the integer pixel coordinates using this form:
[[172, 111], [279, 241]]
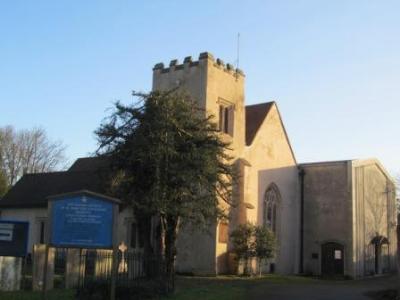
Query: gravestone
[[10, 273], [103, 263], [72, 271], [39, 258]]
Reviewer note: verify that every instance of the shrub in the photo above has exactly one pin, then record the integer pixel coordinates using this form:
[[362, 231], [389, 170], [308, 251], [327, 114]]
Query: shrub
[[250, 241]]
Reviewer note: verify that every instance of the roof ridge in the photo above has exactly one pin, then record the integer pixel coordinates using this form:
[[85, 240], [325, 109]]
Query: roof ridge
[[268, 102], [56, 172], [86, 157], [44, 173]]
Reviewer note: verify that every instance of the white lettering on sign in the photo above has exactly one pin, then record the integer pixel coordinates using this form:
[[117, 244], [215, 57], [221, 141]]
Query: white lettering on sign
[[84, 212], [6, 232]]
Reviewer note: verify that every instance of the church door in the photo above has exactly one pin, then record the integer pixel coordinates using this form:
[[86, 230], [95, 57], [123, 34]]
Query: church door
[[377, 258], [332, 261], [381, 254]]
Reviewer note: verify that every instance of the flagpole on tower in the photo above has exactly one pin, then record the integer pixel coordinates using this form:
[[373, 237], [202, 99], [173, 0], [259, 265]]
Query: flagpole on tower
[[237, 50]]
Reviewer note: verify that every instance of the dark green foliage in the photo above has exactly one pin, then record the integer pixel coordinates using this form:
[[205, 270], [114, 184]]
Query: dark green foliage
[[168, 161], [169, 157], [250, 241], [242, 239], [264, 245]]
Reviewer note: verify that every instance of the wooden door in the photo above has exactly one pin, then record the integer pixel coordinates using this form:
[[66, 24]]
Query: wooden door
[[332, 259]]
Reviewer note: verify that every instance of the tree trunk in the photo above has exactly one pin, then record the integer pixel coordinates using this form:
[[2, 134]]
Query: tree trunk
[[145, 232], [246, 267], [171, 224]]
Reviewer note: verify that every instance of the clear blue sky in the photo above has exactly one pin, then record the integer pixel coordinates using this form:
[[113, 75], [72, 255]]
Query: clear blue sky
[[332, 66]]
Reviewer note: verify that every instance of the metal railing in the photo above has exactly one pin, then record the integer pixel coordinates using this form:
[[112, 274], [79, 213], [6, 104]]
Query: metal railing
[[132, 267]]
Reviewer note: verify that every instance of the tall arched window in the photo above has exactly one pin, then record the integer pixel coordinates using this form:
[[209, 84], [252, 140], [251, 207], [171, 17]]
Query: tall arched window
[[271, 207]]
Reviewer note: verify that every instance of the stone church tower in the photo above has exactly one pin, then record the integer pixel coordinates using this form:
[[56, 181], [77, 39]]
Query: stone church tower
[[219, 90]]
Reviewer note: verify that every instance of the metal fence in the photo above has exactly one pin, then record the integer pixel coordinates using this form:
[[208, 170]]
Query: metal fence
[[95, 266], [132, 267]]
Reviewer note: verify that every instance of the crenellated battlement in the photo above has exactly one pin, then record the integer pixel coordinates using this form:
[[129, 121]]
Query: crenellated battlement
[[188, 62]]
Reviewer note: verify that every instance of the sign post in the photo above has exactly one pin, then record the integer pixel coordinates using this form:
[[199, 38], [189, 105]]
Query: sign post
[[84, 220]]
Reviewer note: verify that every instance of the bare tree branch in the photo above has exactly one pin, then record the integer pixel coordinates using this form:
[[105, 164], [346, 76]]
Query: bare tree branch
[[28, 151]]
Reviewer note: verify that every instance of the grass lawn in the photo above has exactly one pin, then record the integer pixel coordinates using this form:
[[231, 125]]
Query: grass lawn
[[29, 295], [225, 287], [187, 288]]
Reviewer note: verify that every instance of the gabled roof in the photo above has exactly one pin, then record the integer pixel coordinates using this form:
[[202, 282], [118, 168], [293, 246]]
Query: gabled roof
[[255, 116], [91, 164], [33, 189]]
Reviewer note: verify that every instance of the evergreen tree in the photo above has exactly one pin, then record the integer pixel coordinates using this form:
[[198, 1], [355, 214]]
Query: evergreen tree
[[169, 162]]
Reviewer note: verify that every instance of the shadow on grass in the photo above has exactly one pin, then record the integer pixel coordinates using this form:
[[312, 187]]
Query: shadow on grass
[[29, 295], [382, 295], [226, 287]]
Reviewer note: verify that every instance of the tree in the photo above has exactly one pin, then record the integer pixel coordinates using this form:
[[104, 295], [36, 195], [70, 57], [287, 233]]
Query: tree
[[264, 245], [28, 151], [169, 161], [250, 241], [3, 184], [397, 191], [242, 238], [397, 195]]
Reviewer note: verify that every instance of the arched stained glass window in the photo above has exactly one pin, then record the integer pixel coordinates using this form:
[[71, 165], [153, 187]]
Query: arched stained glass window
[[271, 206]]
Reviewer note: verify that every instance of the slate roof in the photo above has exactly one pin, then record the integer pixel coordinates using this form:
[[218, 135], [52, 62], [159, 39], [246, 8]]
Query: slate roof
[[255, 116], [32, 190], [91, 164]]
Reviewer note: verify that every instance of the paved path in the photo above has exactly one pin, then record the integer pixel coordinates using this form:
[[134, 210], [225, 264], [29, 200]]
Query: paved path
[[321, 290]]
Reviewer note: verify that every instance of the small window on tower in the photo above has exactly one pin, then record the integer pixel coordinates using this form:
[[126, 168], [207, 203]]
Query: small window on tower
[[223, 232], [226, 118]]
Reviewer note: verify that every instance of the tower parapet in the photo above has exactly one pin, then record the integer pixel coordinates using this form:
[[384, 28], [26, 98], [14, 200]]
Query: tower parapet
[[217, 87], [189, 63]]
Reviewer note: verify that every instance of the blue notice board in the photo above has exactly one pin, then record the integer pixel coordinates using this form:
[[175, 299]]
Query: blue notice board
[[82, 220]]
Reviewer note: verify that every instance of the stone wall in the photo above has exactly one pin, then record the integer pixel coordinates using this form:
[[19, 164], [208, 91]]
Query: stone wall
[[272, 162], [374, 215], [327, 212]]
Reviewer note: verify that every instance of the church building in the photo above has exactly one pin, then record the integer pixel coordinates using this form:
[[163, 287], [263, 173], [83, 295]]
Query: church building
[[329, 218]]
